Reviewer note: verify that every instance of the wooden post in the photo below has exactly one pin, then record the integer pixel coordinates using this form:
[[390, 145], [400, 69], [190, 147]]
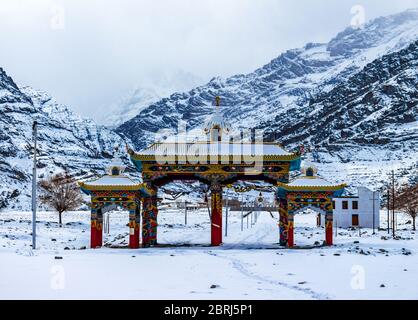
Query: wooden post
[[290, 231], [93, 229], [99, 228], [133, 228], [216, 223], [328, 228], [149, 221], [153, 224], [283, 224], [96, 228], [145, 223]]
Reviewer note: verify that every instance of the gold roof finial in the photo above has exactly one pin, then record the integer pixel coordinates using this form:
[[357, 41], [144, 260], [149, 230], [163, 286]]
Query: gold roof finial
[[218, 101]]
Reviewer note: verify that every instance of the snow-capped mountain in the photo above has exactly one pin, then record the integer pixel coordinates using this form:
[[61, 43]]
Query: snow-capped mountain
[[146, 93], [354, 99], [65, 140]]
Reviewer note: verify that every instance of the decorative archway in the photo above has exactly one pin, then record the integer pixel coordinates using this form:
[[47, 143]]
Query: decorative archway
[[128, 200], [304, 192], [216, 162], [115, 188], [165, 162]]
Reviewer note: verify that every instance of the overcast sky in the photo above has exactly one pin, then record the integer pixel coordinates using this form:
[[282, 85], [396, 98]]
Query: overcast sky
[[90, 53]]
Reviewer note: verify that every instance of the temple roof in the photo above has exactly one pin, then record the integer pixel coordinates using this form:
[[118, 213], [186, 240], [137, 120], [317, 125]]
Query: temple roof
[[114, 179], [169, 150], [314, 181], [111, 182], [310, 181], [184, 148]]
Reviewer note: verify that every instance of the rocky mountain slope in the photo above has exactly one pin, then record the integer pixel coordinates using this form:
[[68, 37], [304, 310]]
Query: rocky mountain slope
[[66, 141], [353, 99]]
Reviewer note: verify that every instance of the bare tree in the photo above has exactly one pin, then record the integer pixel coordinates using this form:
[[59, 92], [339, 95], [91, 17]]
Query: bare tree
[[407, 201], [60, 192]]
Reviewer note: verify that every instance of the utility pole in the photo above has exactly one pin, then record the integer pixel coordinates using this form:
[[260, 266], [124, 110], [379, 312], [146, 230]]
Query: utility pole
[[373, 213], [393, 203], [185, 212], [35, 147], [388, 205]]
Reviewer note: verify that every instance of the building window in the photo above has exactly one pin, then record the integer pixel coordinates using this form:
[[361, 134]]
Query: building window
[[355, 205], [309, 172], [345, 205], [333, 204], [115, 171]]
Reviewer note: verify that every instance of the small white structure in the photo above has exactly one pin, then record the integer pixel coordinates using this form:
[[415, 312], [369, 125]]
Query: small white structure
[[357, 211]]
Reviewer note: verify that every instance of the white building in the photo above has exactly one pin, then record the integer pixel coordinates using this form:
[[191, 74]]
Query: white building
[[357, 211]]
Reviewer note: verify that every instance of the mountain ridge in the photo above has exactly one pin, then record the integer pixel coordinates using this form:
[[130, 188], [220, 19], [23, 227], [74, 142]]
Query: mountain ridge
[[66, 141], [284, 88]]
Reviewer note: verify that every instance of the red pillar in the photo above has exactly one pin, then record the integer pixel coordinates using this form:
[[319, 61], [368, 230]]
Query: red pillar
[[328, 229], [283, 224], [99, 228], [216, 223], [133, 229], [93, 232], [290, 232], [96, 229]]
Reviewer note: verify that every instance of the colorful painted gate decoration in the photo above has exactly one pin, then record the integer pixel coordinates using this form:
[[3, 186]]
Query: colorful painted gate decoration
[[306, 191], [217, 164]]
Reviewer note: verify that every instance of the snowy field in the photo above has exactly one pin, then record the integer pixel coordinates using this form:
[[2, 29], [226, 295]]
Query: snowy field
[[250, 264]]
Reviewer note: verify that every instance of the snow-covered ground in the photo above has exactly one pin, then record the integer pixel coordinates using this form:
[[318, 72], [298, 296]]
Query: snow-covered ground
[[250, 264]]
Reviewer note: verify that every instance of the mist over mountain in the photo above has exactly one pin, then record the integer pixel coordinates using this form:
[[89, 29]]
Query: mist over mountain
[[146, 93]]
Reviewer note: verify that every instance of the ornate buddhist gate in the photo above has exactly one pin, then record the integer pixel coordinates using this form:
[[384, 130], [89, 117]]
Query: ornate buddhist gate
[[115, 188], [306, 191], [215, 162], [216, 171], [127, 200]]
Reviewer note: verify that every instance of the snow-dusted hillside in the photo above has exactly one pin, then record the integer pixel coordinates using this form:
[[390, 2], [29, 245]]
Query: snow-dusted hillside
[[66, 141], [316, 95]]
